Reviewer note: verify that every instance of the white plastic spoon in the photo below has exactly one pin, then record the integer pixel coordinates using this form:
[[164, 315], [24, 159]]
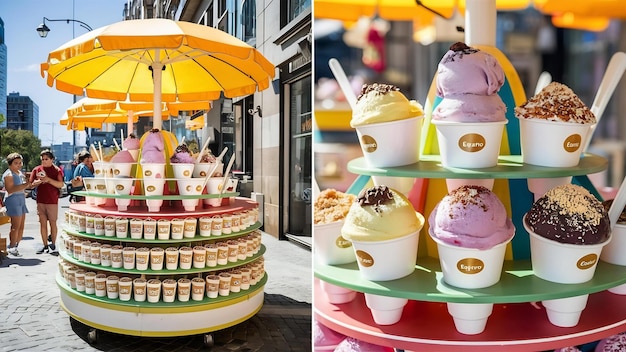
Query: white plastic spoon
[[343, 81], [230, 165], [544, 79], [612, 76]]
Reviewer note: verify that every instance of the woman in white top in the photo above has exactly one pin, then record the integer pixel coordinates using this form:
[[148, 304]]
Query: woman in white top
[[15, 183]]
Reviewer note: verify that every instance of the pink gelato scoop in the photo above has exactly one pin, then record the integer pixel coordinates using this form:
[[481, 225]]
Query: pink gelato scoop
[[131, 142], [468, 80], [153, 147], [182, 155], [471, 217], [123, 156]]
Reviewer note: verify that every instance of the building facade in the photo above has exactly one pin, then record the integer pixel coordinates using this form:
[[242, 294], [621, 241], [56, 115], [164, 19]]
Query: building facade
[[22, 113], [3, 77], [270, 131]]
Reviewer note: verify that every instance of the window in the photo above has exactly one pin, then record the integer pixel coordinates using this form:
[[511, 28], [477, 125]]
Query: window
[[248, 22], [290, 9]]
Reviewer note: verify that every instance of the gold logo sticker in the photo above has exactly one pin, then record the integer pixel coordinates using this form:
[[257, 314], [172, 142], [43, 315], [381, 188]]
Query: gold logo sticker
[[88, 186], [364, 258], [198, 188], [368, 143], [186, 173], [188, 188], [470, 265], [119, 187], [116, 172], [572, 143], [148, 173], [342, 242], [472, 142], [101, 187], [587, 262], [150, 188], [203, 173]]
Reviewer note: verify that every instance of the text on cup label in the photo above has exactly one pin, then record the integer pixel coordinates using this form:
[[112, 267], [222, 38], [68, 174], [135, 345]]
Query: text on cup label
[[572, 143], [365, 259], [342, 242], [587, 261], [472, 142], [368, 143], [470, 265]]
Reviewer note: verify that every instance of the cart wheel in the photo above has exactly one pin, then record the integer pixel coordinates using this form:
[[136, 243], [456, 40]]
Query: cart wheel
[[92, 336], [208, 340]]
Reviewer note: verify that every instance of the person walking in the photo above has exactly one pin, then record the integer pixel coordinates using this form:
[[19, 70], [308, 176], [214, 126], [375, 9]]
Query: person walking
[[15, 201], [51, 177], [82, 170]]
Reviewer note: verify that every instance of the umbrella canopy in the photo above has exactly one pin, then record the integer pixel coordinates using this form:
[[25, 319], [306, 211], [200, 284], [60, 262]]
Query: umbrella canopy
[[157, 60], [93, 112]]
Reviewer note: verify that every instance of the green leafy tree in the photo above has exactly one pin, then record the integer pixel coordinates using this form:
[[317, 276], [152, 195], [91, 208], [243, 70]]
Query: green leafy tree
[[20, 141]]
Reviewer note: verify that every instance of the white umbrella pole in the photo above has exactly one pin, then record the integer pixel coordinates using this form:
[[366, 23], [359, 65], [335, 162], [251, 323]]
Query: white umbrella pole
[[157, 74], [480, 22]]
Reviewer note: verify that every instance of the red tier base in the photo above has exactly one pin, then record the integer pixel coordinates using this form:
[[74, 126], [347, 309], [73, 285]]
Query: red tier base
[[427, 326]]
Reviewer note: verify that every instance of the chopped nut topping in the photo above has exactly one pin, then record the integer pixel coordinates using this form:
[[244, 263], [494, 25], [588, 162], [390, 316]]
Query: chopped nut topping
[[556, 102]]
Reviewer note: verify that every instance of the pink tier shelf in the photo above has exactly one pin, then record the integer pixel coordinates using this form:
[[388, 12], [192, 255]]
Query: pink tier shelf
[[427, 326]]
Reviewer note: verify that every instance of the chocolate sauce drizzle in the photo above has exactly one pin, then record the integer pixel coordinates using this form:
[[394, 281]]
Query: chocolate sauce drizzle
[[377, 88], [375, 197], [459, 49]]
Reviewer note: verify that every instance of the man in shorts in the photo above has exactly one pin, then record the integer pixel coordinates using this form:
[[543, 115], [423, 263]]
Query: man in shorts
[[51, 177]]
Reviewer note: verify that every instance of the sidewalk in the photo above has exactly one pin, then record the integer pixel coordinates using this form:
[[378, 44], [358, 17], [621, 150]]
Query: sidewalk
[[32, 320]]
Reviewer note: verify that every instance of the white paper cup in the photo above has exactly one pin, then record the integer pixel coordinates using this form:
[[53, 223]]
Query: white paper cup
[[121, 169], [185, 257], [387, 260], [139, 289], [212, 286], [470, 318], [222, 253], [246, 273], [101, 169], [89, 224], [171, 258], [471, 267], [122, 186], [125, 288], [211, 255], [157, 257], [394, 143], [539, 186], [214, 186], [163, 229], [563, 263], [204, 226], [149, 229], [128, 255], [109, 226], [112, 286], [469, 144], [182, 170], [121, 228], [454, 183], [100, 285], [177, 229], [153, 187], [189, 230], [79, 277], [385, 310], [142, 258], [136, 228], [117, 258], [329, 247], [153, 170], [190, 187], [169, 290], [153, 290], [198, 285], [337, 294], [199, 257], [203, 169], [105, 255], [224, 285], [552, 143], [615, 251], [90, 282], [98, 225], [400, 184], [565, 312], [184, 289]]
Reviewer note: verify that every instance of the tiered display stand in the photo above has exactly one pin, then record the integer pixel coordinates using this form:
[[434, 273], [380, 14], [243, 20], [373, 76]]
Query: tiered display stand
[[162, 319], [517, 322]]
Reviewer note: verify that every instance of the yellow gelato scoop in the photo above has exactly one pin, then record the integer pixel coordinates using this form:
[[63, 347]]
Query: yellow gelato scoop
[[383, 103], [379, 214]]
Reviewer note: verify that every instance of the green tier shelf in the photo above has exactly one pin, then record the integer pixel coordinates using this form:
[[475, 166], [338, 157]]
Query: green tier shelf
[[163, 197], [517, 284], [233, 296], [197, 238], [509, 167], [166, 272], [162, 319], [166, 212]]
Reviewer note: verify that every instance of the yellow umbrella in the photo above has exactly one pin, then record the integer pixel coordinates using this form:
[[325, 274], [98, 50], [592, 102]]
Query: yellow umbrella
[[399, 10], [596, 8], [157, 60]]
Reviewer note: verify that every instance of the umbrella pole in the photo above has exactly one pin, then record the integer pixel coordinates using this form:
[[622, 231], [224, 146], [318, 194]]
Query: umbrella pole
[[157, 73], [480, 22], [129, 123]]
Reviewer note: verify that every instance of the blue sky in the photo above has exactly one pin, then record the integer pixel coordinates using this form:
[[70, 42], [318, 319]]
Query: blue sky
[[26, 50]]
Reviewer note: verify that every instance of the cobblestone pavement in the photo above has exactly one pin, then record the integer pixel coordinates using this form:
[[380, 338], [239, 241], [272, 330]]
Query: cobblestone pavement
[[31, 318]]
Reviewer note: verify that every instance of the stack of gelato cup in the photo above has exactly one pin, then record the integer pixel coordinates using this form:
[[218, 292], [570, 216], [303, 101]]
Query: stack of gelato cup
[[384, 230], [568, 228], [471, 228], [470, 118], [388, 126]]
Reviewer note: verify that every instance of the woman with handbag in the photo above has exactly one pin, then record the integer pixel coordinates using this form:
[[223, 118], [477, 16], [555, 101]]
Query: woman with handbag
[[51, 177], [15, 201]]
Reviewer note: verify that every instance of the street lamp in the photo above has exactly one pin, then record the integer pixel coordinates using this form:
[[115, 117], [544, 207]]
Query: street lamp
[[43, 31]]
